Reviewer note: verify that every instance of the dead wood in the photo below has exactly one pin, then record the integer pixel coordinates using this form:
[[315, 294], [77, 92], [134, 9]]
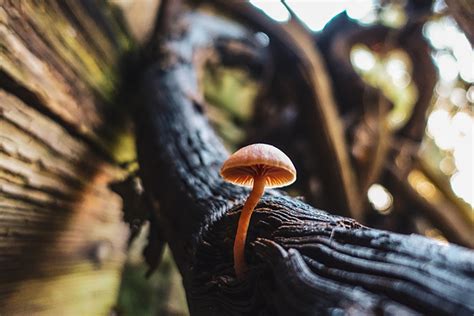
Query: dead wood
[[303, 260]]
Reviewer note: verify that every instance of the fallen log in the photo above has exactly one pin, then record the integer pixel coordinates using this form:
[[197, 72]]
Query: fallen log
[[303, 261]]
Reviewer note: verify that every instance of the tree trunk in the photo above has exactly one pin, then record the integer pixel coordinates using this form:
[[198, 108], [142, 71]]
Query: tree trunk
[[62, 238], [302, 260]]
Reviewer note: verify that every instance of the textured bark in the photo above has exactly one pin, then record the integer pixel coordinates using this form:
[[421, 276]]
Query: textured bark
[[302, 260], [62, 240]]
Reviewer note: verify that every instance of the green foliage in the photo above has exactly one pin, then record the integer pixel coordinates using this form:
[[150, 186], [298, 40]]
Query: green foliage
[[161, 295]]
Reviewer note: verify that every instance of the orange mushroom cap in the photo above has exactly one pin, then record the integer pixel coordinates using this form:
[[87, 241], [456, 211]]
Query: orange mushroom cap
[[259, 159]]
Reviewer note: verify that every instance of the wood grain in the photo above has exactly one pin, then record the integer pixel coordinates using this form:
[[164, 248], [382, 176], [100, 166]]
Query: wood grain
[[62, 239]]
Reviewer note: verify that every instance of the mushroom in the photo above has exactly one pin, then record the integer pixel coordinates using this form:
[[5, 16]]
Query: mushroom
[[257, 166]]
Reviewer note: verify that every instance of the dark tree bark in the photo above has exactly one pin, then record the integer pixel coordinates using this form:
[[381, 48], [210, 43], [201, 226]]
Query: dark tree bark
[[302, 260]]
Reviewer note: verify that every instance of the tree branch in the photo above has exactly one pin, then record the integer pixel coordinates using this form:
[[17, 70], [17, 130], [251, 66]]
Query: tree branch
[[302, 260]]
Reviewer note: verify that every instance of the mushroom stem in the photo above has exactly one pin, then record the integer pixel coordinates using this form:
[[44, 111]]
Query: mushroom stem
[[240, 265]]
